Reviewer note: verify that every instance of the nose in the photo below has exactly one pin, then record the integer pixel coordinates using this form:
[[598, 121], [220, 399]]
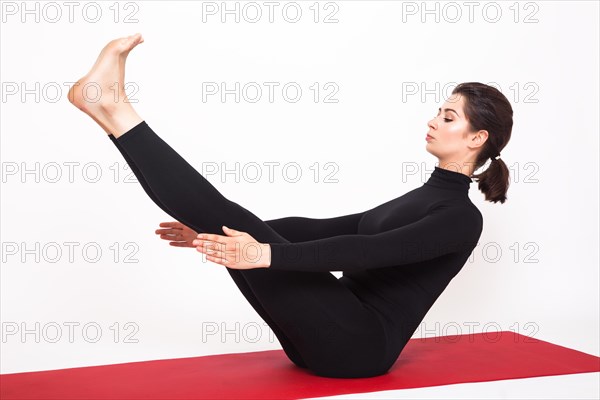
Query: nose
[[430, 124]]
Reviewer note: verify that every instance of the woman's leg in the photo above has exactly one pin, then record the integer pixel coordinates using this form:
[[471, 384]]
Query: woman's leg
[[116, 116], [236, 275], [335, 334], [139, 176]]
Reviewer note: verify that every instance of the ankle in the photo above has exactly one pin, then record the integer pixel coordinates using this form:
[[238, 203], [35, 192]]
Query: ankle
[[123, 121]]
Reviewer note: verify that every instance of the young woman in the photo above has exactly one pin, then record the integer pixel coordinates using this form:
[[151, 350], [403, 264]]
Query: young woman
[[396, 258]]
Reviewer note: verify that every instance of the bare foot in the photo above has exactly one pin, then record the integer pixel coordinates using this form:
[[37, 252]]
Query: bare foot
[[101, 92]]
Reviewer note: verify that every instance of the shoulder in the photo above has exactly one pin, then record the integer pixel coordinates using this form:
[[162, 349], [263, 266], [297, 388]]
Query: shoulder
[[475, 224], [456, 206], [459, 211]]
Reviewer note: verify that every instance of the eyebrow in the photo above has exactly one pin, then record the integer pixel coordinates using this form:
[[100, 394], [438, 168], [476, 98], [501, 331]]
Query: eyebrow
[[449, 109]]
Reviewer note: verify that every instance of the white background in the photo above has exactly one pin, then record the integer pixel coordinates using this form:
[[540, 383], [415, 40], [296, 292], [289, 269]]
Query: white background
[[544, 283]]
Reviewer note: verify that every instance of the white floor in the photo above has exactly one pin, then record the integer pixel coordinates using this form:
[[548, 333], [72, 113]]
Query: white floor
[[574, 386]]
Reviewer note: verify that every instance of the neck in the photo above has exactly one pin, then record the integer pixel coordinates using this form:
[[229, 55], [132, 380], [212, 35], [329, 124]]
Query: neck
[[446, 178], [465, 168]]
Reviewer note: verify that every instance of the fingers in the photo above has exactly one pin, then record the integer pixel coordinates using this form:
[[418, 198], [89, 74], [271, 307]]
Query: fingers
[[218, 260], [178, 238], [181, 244], [209, 245], [212, 237], [168, 231], [214, 249], [214, 246], [172, 224], [232, 232], [215, 253], [171, 234]]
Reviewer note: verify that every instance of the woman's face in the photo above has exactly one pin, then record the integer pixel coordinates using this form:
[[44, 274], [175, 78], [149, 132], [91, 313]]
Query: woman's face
[[449, 137]]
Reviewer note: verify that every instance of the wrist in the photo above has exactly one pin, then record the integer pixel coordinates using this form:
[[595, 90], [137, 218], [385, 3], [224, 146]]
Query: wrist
[[267, 258]]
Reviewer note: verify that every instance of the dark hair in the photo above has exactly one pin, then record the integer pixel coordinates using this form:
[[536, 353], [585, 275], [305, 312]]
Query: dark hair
[[488, 109]]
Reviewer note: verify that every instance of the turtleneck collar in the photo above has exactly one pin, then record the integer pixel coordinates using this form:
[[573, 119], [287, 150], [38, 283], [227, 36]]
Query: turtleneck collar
[[447, 179]]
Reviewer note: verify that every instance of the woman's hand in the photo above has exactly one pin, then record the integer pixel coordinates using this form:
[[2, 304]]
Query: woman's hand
[[179, 234], [237, 250]]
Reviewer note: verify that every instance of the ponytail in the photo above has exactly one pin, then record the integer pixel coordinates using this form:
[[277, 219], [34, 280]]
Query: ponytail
[[494, 181]]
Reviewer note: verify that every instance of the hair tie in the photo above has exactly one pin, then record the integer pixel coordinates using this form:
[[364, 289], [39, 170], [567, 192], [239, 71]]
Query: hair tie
[[494, 149]]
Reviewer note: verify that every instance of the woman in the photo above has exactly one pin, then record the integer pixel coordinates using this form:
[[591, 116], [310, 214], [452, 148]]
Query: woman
[[396, 258]]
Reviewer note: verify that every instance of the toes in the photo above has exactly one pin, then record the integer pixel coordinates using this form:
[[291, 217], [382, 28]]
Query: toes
[[134, 40], [125, 44], [138, 38]]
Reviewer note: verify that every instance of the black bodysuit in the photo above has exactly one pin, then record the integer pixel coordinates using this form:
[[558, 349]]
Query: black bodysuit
[[396, 258]]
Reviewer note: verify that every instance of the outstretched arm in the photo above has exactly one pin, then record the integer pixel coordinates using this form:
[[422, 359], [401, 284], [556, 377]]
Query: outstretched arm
[[294, 229], [445, 229], [301, 229]]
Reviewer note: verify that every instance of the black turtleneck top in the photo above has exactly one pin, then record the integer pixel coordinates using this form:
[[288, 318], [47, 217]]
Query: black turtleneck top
[[400, 255]]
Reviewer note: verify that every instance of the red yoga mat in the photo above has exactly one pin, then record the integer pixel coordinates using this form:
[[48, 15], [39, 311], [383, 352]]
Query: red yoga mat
[[270, 375]]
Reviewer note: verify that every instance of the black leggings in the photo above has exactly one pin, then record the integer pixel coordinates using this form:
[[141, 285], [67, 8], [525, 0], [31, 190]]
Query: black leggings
[[320, 323]]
